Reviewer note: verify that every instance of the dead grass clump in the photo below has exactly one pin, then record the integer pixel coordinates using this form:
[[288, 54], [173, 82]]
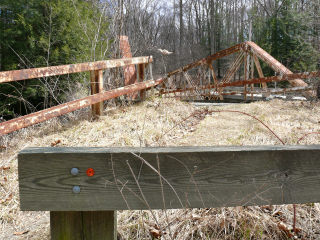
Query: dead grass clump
[[289, 120], [267, 222], [168, 122]]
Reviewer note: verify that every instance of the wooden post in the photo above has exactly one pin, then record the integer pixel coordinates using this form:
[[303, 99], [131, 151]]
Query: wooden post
[[141, 73], [96, 79], [224, 177], [98, 225]]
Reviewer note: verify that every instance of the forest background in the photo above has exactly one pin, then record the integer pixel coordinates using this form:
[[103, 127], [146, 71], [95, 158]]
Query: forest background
[[37, 33]]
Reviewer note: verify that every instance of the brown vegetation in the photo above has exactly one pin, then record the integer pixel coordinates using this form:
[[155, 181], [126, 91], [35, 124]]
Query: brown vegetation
[[167, 122]]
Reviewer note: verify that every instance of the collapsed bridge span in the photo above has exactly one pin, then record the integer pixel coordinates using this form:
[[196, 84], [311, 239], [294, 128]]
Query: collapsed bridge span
[[202, 83]]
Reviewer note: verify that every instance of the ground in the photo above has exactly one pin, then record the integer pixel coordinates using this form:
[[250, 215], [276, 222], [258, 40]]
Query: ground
[[169, 122]]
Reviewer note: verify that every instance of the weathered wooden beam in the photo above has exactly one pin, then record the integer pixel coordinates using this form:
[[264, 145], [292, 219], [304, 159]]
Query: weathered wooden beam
[[41, 116], [164, 178], [17, 75], [96, 82], [97, 225]]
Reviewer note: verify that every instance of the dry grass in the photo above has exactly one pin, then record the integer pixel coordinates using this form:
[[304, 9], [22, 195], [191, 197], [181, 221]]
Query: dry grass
[[158, 122]]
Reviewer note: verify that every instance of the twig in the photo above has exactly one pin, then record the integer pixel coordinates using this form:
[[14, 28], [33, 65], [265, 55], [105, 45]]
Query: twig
[[305, 135]]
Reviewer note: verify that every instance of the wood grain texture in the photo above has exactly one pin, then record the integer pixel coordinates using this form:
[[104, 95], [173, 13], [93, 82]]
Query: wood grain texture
[[24, 74], [99, 225], [142, 79], [191, 177], [96, 83]]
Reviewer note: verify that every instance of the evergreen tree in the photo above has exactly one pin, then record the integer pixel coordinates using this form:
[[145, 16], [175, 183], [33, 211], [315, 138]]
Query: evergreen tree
[[283, 34], [36, 33]]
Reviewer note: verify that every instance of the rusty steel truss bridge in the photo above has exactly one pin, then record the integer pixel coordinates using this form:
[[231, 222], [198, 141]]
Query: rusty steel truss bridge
[[197, 80]]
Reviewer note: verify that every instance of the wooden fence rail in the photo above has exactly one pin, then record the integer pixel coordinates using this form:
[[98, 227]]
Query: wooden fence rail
[[86, 185]]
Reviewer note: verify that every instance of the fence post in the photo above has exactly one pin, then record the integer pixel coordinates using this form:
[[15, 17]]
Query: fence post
[[95, 225], [96, 82], [141, 72]]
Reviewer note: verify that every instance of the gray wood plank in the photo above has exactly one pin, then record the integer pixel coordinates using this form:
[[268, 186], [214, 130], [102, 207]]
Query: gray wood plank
[[191, 177], [98, 225], [66, 225]]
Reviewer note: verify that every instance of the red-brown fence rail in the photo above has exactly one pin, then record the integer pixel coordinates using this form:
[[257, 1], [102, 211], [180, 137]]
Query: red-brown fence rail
[[24, 74], [37, 117], [95, 100]]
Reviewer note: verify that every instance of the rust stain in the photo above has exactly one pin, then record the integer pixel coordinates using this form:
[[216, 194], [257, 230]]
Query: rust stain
[[288, 77], [208, 59], [24, 74], [247, 47], [274, 63], [130, 75], [41, 116]]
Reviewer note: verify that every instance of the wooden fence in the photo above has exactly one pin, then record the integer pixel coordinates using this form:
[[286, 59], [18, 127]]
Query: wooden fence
[[83, 187]]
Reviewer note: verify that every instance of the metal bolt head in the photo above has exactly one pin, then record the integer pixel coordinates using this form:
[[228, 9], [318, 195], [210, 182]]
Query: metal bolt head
[[74, 171], [76, 189]]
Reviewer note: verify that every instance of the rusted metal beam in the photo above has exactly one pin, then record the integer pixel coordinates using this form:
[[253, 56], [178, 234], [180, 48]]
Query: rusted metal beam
[[252, 76], [213, 74], [267, 58], [232, 70], [288, 77], [274, 63], [245, 75], [208, 59], [259, 69], [41, 116], [229, 93], [284, 90], [130, 73], [234, 67], [17, 75]]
